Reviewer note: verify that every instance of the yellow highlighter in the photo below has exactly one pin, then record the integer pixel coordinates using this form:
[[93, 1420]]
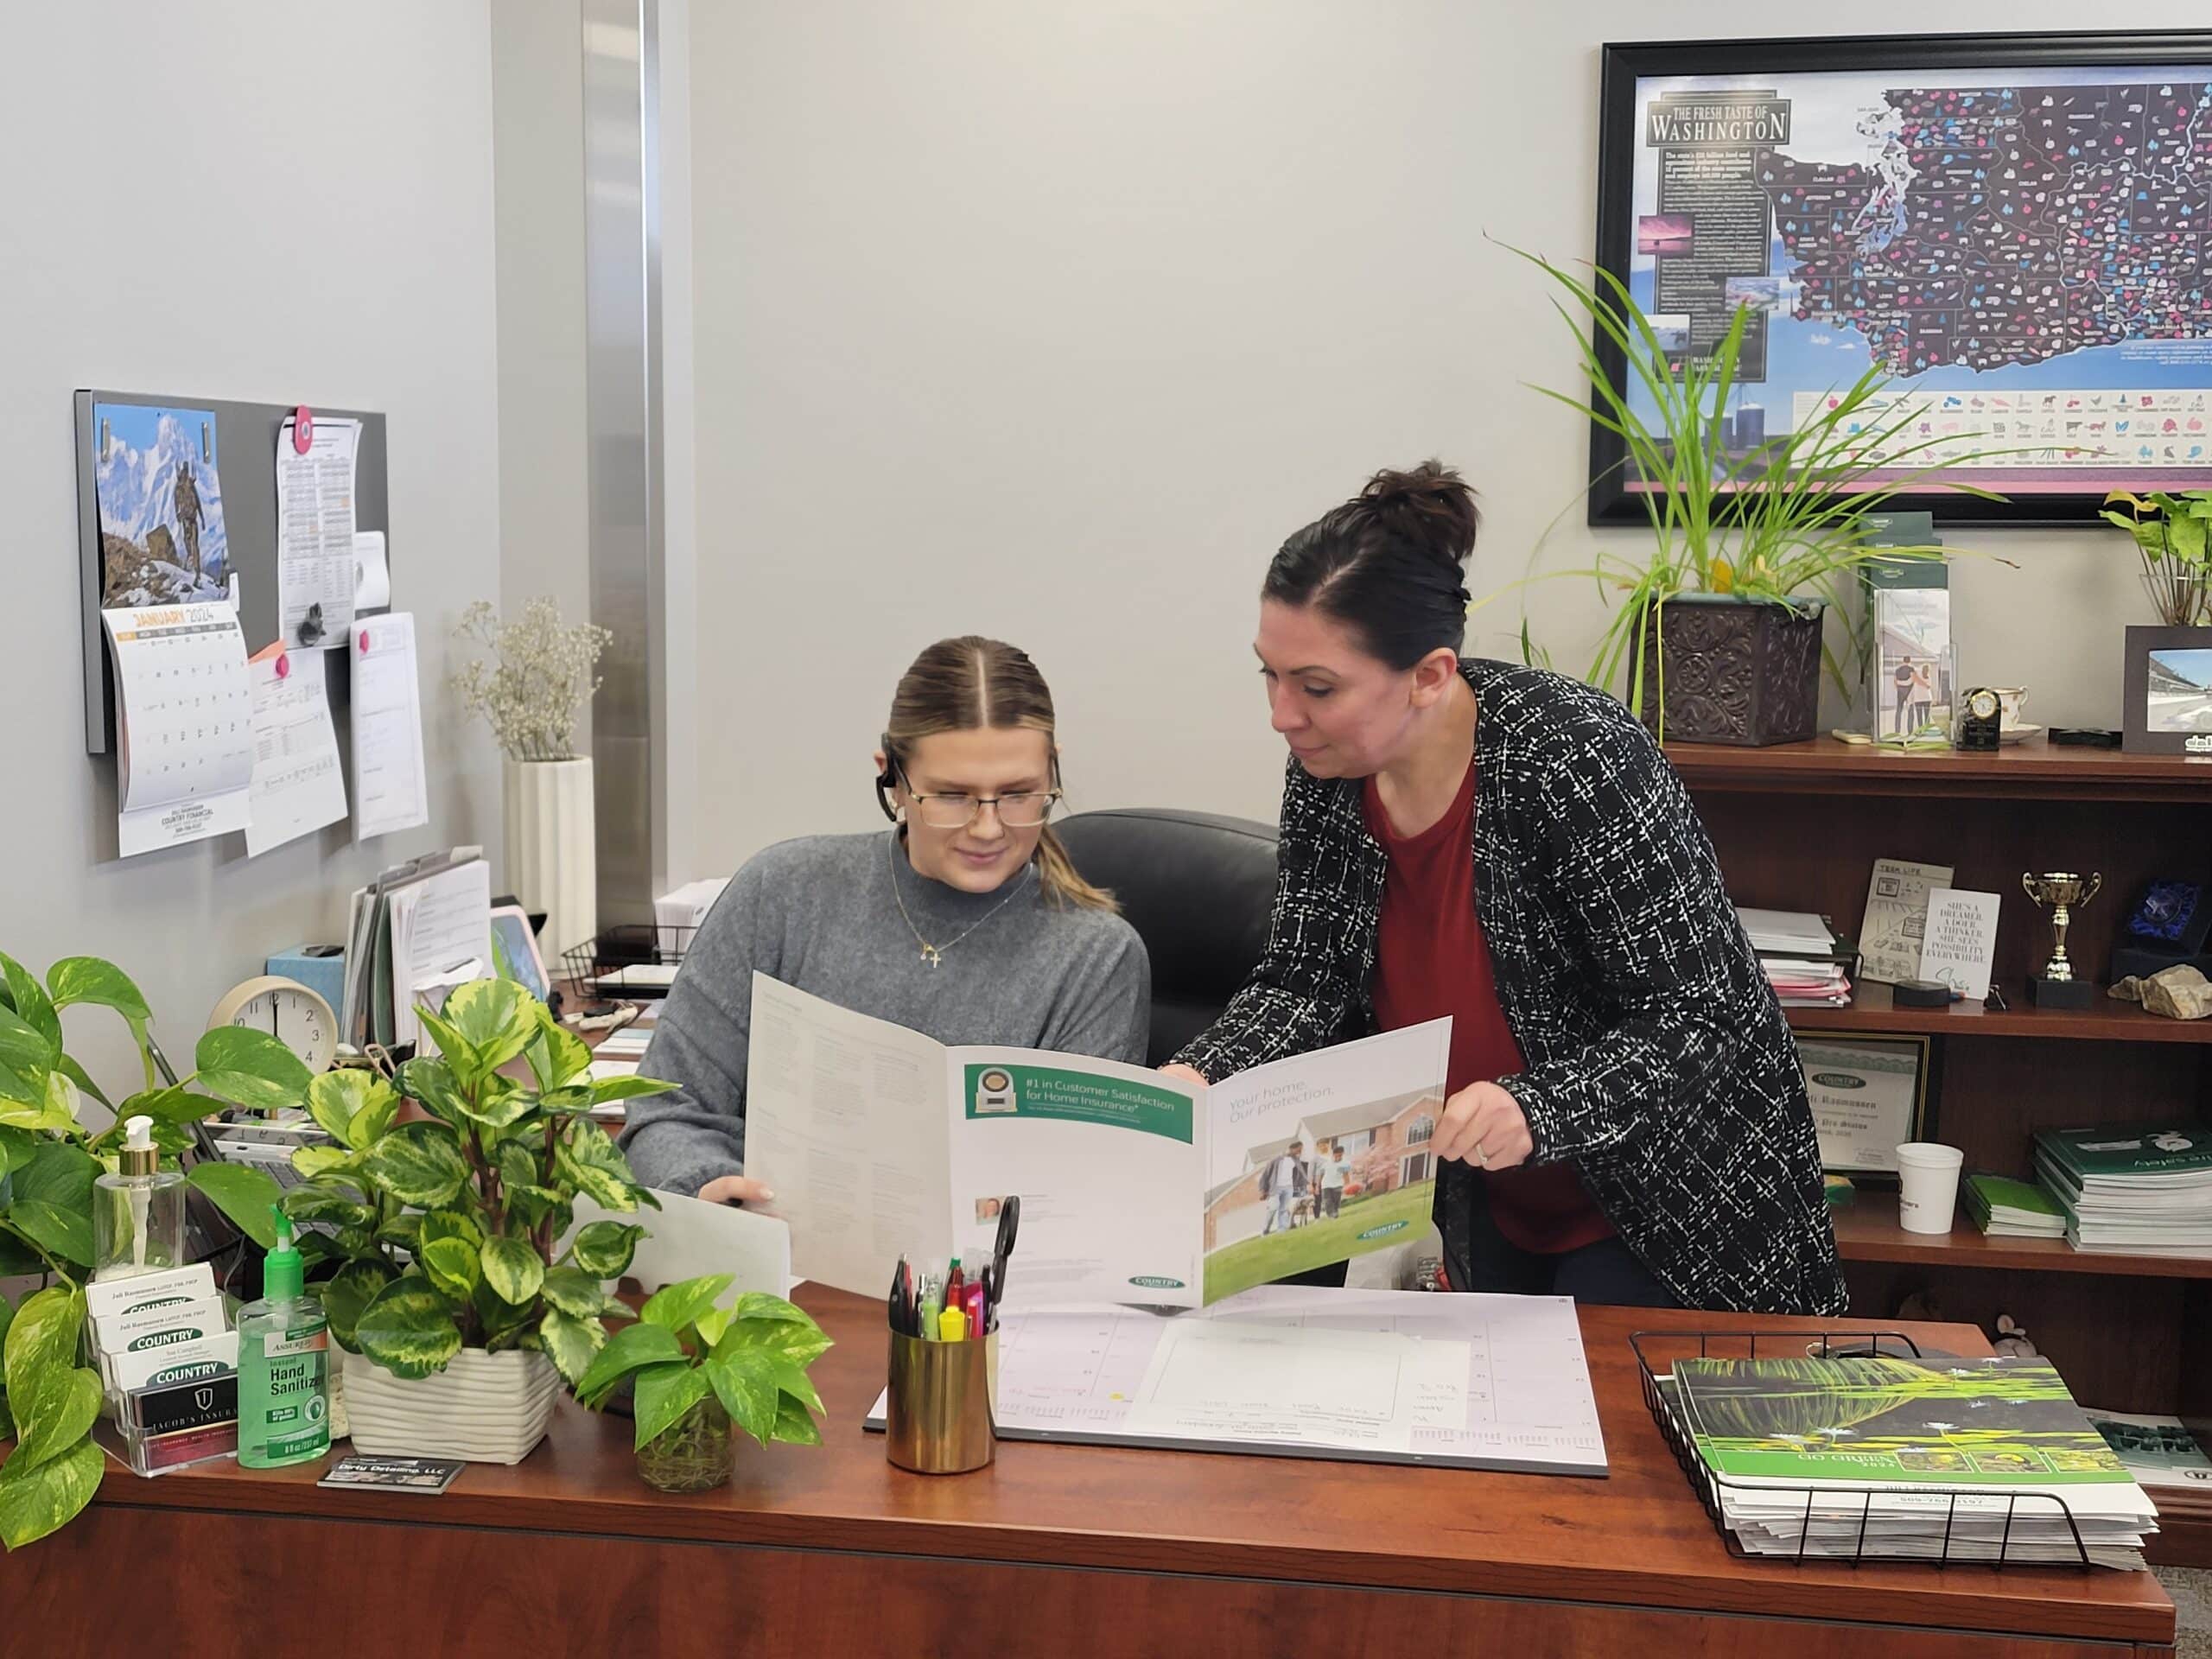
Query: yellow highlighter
[[952, 1325]]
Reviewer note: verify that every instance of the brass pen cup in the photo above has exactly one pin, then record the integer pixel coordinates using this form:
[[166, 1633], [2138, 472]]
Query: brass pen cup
[[941, 1408]]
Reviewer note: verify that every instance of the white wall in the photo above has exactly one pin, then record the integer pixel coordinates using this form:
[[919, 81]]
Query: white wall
[[255, 200], [1053, 321]]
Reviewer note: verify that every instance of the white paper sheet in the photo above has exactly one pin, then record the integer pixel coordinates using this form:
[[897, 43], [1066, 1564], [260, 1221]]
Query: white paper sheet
[[845, 1121], [686, 1239], [316, 573], [372, 575], [298, 785], [441, 937], [390, 791], [184, 724], [1357, 1390]]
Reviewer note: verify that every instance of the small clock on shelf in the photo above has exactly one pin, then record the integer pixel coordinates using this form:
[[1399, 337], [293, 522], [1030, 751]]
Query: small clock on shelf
[[1981, 721], [296, 1016]]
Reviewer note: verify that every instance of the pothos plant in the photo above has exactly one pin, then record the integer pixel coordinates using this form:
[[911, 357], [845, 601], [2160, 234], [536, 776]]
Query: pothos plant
[[48, 1161], [699, 1367], [450, 1230]]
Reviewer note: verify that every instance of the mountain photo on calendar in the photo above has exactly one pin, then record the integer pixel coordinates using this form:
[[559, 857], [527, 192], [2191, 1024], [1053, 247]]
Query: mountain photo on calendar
[[162, 539]]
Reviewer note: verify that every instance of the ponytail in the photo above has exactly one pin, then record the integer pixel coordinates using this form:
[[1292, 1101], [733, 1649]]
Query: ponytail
[[1057, 877]]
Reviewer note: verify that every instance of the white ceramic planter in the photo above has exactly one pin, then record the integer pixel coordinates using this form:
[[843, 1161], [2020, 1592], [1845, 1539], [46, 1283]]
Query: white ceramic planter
[[335, 1385], [483, 1407], [552, 859]]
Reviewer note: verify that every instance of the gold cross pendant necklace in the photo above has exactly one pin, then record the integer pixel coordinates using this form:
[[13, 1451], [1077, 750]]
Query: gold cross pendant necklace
[[934, 954]]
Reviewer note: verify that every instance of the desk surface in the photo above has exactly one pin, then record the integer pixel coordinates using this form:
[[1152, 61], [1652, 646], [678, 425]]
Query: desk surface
[[1636, 1538]]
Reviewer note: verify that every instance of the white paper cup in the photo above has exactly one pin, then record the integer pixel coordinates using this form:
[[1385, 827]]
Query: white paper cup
[[1928, 1176]]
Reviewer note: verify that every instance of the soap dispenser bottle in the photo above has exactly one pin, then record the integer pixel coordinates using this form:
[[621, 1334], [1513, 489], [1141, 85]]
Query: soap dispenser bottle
[[283, 1350], [138, 1212]]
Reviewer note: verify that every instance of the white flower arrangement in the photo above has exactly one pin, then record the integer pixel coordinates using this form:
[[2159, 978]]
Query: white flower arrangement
[[538, 681]]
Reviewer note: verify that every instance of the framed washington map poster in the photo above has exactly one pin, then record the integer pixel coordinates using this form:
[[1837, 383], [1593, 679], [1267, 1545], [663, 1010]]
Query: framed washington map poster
[[2017, 230]]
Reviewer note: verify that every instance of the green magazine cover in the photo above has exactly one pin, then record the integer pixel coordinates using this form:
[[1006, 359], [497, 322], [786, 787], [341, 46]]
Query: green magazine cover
[[2127, 1149], [2003, 1421]]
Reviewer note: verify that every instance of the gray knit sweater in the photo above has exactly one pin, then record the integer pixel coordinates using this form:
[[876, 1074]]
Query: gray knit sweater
[[819, 914]]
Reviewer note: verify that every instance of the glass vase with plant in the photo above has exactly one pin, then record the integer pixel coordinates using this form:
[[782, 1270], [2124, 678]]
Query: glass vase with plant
[[2172, 532], [699, 1368], [48, 1161], [1783, 520]]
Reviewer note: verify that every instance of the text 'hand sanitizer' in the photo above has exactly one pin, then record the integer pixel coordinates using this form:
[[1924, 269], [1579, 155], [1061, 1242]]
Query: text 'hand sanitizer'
[[283, 1352]]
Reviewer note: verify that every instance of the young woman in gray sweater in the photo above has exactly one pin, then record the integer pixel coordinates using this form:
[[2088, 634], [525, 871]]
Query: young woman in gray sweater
[[964, 920]]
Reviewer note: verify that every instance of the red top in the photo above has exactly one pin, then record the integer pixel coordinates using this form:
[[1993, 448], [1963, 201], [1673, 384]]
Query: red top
[[1430, 960]]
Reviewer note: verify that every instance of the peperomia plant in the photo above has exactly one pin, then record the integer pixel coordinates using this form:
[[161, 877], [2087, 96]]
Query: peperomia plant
[[48, 1161], [450, 1227], [700, 1368]]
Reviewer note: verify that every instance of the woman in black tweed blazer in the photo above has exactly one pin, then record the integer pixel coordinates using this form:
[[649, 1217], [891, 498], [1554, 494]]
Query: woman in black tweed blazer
[[1647, 1050]]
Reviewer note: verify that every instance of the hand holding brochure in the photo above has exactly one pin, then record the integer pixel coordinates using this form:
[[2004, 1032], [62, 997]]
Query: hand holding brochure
[[1134, 1187]]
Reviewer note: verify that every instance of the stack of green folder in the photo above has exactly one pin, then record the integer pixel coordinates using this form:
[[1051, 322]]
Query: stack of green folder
[[2004, 1208]]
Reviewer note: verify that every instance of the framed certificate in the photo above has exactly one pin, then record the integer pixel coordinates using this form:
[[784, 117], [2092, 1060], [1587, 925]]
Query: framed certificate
[[1869, 1093], [2009, 228]]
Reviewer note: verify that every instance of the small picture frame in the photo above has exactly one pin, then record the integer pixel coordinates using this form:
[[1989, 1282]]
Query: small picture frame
[[1869, 1095], [2168, 708]]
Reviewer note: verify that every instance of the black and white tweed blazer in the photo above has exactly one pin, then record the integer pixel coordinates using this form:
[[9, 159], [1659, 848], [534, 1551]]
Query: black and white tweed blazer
[[1657, 1058]]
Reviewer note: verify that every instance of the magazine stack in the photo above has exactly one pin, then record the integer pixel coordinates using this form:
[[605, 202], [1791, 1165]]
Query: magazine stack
[[2143, 1188], [1880, 1457]]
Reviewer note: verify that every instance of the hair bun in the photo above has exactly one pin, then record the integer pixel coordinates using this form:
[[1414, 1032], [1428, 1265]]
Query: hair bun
[[1429, 505]]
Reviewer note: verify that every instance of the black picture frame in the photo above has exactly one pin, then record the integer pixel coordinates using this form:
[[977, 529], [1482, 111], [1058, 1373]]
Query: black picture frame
[[1625, 64], [2139, 735]]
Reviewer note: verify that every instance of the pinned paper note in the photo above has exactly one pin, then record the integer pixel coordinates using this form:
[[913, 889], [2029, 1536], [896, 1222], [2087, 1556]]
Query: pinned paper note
[[315, 558], [184, 724], [298, 785], [372, 577], [390, 791]]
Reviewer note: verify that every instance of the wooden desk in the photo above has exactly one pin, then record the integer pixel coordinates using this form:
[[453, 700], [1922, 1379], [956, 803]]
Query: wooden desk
[[1056, 1549]]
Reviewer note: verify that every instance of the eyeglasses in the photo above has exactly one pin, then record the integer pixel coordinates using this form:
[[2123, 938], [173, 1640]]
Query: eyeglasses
[[1023, 811]]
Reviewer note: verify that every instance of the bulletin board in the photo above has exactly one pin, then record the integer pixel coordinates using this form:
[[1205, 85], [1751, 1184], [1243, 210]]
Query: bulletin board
[[235, 532]]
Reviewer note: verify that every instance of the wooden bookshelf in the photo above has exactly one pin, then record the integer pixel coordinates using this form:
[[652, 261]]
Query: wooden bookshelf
[[1799, 828], [1867, 1230], [1871, 1011], [2029, 770]]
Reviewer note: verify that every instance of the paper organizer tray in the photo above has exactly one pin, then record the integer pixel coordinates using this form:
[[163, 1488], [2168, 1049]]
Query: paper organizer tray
[[598, 964], [1655, 1352]]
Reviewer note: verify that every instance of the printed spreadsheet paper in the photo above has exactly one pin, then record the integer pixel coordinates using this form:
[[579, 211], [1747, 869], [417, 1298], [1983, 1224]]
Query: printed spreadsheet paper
[[1487, 1382]]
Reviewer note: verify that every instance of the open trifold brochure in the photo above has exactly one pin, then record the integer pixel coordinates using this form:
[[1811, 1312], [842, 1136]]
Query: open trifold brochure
[[1134, 1187], [1962, 1460]]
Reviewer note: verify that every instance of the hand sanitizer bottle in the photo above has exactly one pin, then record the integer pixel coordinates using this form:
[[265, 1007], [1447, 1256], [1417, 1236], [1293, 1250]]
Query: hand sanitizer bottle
[[138, 1212], [283, 1347]]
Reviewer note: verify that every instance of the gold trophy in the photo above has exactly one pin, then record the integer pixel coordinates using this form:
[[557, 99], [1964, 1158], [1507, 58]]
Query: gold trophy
[[2056, 986]]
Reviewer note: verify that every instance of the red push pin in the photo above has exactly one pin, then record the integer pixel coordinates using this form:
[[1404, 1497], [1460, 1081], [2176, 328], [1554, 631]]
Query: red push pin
[[284, 665], [365, 642], [302, 429]]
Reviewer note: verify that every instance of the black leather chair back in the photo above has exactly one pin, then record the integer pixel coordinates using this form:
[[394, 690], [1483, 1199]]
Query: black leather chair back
[[1199, 888]]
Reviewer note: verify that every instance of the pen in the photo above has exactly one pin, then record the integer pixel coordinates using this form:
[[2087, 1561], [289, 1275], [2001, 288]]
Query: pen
[[1003, 1247], [973, 1299], [930, 1304]]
